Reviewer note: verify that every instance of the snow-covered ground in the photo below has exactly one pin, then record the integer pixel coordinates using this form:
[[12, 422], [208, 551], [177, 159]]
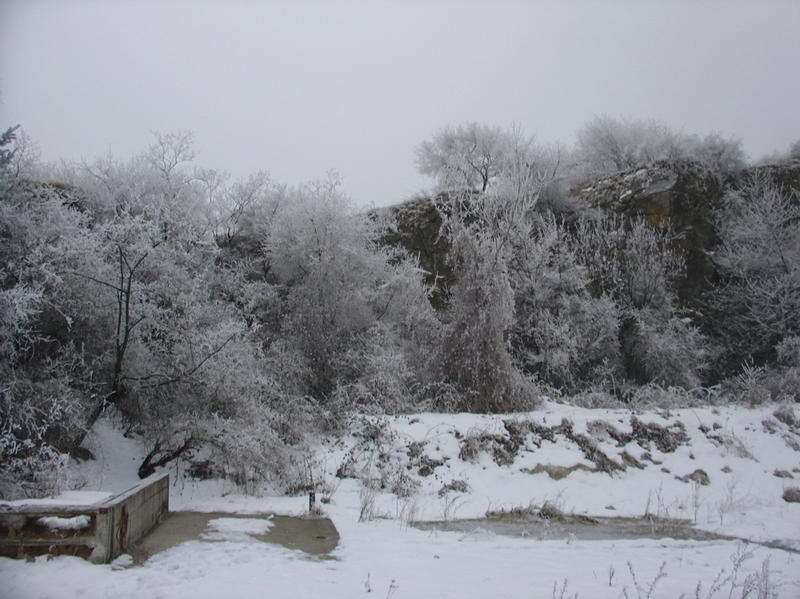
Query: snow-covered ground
[[381, 555]]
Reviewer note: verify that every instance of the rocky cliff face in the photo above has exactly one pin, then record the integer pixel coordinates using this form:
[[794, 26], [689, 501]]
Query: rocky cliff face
[[676, 195], [418, 223], [679, 195], [786, 175]]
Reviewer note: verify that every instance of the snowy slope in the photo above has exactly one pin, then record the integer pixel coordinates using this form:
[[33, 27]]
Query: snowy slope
[[418, 455]]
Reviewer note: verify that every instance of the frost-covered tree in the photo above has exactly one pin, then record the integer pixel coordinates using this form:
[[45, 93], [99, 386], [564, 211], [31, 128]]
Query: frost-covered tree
[[7, 149], [723, 155], [165, 315], [490, 181], [245, 210], [129, 286], [607, 144], [339, 287], [759, 254], [47, 325], [469, 156], [475, 355], [476, 157], [562, 334]]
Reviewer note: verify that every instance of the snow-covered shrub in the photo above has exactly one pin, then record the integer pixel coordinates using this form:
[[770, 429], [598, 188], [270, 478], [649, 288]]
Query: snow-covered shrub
[[39, 416], [783, 383], [785, 413], [595, 398], [439, 396], [788, 351], [39, 474], [637, 266], [750, 385], [670, 353], [386, 381], [630, 260], [251, 454], [653, 395]]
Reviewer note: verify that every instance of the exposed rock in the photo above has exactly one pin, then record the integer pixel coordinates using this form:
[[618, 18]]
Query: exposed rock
[[427, 465], [457, 485], [792, 495], [786, 415], [699, 476], [631, 461], [418, 232], [732, 444], [666, 439], [556, 472], [784, 174], [678, 195]]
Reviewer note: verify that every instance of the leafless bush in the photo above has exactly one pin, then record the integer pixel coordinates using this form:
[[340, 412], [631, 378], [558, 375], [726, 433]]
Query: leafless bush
[[367, 510], [644, 592], [561, 593]]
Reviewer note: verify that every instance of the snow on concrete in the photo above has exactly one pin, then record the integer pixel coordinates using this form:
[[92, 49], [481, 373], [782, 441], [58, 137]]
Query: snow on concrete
[[58, 523], [67, 498]]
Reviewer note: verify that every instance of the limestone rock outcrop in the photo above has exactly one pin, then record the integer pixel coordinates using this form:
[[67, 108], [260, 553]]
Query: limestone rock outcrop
[[679, 195]]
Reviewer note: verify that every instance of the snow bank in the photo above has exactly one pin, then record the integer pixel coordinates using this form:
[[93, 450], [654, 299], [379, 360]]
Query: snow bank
[[740, 449]]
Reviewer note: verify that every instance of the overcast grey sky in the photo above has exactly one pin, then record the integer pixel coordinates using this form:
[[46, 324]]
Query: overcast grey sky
[[297, 88]]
